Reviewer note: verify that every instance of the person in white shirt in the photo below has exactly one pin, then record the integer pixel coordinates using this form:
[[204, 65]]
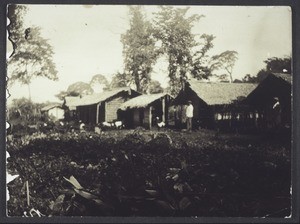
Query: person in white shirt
[[189, 115]]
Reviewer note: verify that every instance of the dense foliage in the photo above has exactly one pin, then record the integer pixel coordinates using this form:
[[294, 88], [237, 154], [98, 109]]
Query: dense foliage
[[272, 65], [174, 30], [145, 173], [139, 49], [32, 53]]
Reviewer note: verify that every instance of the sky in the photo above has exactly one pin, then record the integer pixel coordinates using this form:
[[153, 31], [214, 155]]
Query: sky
[[86, 40]]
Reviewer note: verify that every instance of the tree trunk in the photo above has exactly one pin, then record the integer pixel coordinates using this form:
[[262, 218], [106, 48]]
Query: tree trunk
[[137, 83], [230, 76], [29, 92]]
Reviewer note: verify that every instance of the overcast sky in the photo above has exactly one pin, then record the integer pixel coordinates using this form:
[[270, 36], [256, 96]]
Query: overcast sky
[[86, 40]]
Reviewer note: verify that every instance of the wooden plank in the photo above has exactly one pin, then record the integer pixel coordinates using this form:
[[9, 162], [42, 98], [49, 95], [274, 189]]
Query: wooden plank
[[97, 113], [163, 109], [150, 117]]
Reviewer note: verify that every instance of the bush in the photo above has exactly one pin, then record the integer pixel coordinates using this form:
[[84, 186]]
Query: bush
[[135, 177]]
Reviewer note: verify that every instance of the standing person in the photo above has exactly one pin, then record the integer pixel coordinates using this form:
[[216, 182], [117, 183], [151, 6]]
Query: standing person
[[81, 126], [189, 115], [276, 113]]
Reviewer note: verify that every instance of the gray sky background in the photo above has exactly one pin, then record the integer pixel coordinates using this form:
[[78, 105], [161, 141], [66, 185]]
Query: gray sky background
[[86, 40]]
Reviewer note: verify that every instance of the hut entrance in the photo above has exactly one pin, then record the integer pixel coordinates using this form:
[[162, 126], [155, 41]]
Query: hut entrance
[[141, 116], [102, 112]]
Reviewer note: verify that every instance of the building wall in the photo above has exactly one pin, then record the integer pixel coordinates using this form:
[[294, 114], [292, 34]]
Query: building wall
[[107, 110], [87, 114], [56, 112], [136, 117], [146, 117], [111, 108]]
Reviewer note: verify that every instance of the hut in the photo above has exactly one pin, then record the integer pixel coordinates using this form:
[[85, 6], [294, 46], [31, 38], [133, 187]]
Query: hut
[[146, 110], [53, 111], [100, 107], [216, 105], [272, 101]]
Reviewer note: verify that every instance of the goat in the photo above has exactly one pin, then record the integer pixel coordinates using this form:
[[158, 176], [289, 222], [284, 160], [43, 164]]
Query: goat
[[160, 124], [119, 125], [112, 125]]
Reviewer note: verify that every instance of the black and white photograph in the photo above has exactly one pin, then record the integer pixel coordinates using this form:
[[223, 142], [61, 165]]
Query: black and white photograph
[[149, 111]]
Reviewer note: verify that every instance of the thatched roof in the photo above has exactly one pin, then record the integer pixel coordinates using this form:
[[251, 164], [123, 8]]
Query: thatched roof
[[70, 100], [98, 97], [141, 101], [50, 106], [273, 85], [286, 77], [221, 93]]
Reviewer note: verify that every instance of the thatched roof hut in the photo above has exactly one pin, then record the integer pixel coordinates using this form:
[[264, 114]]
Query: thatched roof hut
[[103, 106], [215, 93], [145, 110], [53, 110], [51, 106], [213, 102], [276, 87]]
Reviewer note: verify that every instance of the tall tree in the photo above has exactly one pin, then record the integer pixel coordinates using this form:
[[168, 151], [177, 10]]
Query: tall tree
[[121, 80], [139, 49], [279, 65], [76, 89], [225, 61], [273, 65], [201, 67], [99, 83], [155, 87], [174, 27], [23, 111], [32, 55], [15, 28], [249, 79]]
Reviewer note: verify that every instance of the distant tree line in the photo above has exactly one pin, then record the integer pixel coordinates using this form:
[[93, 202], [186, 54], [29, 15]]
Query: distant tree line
[[273, 65]]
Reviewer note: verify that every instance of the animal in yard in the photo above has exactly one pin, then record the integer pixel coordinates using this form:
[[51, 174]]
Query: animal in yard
[[160, 124], [107, 124], [112, 125], [119, 125]]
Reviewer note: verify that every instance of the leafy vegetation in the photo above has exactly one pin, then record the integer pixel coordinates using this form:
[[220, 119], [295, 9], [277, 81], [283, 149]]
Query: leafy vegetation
[[144, 173], [139, 49], [32, 54], [275, 65]]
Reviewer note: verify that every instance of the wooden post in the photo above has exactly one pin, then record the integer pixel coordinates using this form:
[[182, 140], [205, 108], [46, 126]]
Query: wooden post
[[27, 193], [150, 117], [105, 115], [97, 113], [163, 109]]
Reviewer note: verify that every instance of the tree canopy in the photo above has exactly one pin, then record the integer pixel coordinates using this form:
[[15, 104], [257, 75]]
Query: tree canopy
[[139, 49], [173, 29], [273, 65], [201, 67], [121, 79], [99, 83], [23, 111], [76, 89], [32, 54], [155, 87], [225, 61]]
